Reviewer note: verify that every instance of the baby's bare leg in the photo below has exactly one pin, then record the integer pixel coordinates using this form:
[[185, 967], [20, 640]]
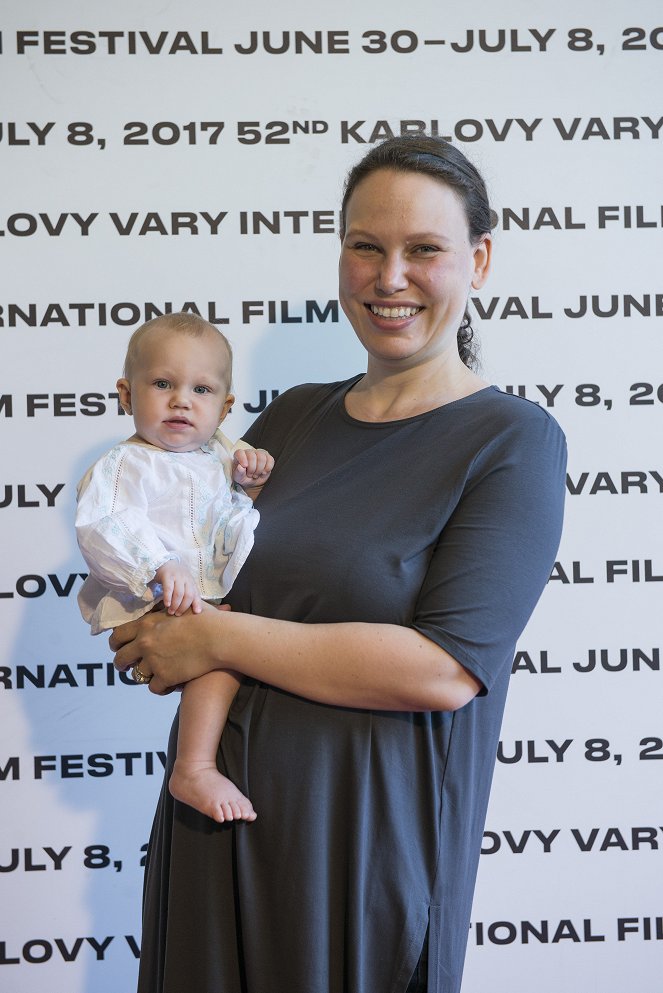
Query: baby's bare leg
[[195, 778]]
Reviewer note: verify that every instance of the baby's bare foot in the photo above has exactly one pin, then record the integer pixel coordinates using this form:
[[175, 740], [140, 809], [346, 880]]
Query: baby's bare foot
[[201, 785]]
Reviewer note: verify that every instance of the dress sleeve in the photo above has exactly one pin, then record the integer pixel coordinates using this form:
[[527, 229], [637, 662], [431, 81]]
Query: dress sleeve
[[494, 556], [114, 534]]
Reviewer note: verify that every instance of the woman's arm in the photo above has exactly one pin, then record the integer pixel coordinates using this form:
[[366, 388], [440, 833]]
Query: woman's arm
[[372, 666], [490, 564]]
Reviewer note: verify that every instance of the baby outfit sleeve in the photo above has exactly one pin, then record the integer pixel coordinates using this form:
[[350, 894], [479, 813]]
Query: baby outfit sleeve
[[234, 539], [229, 446], [117, 541]]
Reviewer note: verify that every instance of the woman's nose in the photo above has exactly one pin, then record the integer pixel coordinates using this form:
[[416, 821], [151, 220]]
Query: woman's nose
[[392, 274]]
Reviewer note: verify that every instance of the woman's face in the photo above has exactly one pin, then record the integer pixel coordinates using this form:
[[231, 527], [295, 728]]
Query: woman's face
[[407, 266]]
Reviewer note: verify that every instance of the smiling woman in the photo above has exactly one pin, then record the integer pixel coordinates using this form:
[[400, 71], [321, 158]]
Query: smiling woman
[[406, 533], [407, 266], [436, 159]]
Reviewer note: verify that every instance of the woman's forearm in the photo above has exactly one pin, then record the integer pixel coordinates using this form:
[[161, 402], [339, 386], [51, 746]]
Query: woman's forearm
[[373, 666], [376, 666]]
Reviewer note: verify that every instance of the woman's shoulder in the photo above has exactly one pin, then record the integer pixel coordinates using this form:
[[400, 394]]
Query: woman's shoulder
[[509, 427], [511, 410]]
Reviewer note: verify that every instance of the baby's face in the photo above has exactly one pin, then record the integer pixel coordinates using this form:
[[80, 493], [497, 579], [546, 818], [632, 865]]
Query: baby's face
[[178, 392]]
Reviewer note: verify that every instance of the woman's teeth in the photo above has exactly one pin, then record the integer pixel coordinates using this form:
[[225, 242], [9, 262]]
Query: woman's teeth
[[394, 311]]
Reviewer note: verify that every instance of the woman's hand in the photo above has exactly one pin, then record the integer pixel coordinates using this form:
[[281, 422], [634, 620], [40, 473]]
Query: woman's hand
[[171, 650]]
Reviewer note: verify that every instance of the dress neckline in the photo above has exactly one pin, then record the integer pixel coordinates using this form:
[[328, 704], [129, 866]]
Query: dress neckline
[[451, 404]]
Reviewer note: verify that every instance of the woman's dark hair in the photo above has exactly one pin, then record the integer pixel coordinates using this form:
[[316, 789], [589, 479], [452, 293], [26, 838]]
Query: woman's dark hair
[[441, 160]]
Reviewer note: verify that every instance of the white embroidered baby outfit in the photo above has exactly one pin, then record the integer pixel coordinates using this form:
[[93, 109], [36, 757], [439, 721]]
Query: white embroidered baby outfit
[[140, 506]]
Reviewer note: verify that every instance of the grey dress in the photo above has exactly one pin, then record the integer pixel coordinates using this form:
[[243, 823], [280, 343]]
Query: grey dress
[[369, 822]]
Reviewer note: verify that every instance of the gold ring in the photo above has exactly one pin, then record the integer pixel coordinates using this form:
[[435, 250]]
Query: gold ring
[[138, 676]]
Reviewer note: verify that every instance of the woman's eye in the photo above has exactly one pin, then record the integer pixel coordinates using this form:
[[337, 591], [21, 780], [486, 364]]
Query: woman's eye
[[161, 384], [363, 246], [425, 249]]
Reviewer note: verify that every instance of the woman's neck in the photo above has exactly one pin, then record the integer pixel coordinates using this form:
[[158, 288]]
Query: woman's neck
[[392, 395]]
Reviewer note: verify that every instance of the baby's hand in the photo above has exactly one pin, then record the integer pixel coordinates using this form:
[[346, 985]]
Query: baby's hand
[[252, 467], [179, 589]]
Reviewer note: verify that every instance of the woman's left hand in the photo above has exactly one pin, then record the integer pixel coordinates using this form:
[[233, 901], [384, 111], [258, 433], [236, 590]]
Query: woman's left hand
[[168, 650]]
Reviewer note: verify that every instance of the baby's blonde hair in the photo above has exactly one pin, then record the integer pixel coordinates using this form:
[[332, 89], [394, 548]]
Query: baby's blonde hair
[[192, 324]]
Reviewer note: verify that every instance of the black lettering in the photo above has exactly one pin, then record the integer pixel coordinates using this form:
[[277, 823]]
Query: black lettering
[[100, 766], [11, 769], [314, 311], [37, 951], [567, 133], [93, 404], [62, 675], [644, 836], [99, 947], [614, 839], [83, 43], [67, 954], [541, 933], [133, 945], [351, 131]]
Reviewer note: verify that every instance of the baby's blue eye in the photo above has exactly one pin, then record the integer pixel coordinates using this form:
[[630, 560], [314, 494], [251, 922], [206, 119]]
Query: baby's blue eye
[[201, 389], [162, 384]]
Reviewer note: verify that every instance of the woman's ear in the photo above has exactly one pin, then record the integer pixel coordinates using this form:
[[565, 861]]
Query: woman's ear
[[482, 256]]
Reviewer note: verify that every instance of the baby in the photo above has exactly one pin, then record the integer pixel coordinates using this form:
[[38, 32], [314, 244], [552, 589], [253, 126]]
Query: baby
[[168, 516]]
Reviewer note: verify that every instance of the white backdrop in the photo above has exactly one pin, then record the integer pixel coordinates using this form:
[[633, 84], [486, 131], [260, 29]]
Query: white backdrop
[[161, 154]]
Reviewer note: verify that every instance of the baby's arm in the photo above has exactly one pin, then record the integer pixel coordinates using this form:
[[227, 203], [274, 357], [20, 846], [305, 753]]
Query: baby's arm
[[179, 589], [121, 547], [252, 468]]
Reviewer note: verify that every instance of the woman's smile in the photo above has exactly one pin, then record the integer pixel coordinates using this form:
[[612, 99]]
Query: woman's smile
[[397, 312]]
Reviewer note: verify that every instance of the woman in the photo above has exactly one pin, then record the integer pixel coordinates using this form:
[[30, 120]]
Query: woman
[[406, 534]]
